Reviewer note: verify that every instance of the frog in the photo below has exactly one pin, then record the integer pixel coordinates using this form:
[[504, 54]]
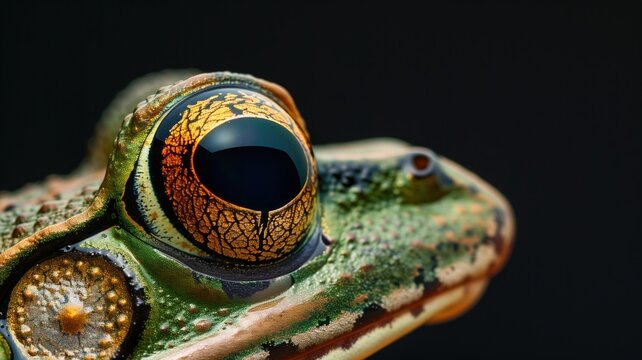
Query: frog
[[204, 225]]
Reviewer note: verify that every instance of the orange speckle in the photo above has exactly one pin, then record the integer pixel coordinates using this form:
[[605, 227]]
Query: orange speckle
[[439, 220], [72, 318], [360, 298], [475, 209]]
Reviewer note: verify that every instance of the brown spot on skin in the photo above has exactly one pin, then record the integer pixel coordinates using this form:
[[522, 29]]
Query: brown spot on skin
[[20, 231], [344, 278], [360, 298], [423, 246], [48, 207], [21, 219], [249, 329], [202, 325], [180, 320], [365, 268], [192, 309], [164, 328], [72, 318]]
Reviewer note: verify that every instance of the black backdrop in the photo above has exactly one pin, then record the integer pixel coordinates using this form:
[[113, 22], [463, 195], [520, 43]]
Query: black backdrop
[[538, 100]]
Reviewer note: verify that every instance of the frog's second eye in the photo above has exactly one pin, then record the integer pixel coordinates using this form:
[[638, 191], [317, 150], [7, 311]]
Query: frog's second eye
[[232, 176]]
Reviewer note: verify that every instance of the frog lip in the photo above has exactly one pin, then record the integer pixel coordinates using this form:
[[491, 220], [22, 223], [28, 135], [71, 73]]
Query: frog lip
[[505, 217]]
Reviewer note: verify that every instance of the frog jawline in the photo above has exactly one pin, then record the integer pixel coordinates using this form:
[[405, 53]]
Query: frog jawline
[[373, 337], [360, 342]]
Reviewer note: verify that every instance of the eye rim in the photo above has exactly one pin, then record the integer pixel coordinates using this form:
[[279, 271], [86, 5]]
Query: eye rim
[[225, 270], [171, 233], [410, 159]]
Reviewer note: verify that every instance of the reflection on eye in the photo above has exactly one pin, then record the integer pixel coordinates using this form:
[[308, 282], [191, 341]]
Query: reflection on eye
[[232, 176]]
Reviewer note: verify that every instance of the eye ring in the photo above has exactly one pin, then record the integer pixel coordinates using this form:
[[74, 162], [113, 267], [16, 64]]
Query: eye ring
[[420, 163]]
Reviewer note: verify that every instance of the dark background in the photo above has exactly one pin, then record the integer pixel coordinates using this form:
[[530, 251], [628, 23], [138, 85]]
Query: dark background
[[542, 101]]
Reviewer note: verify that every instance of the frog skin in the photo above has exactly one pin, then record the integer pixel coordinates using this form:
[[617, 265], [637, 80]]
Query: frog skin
[[381, 238]]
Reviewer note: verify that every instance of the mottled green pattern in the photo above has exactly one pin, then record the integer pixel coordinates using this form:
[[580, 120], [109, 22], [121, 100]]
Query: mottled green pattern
[[390, 233], [374, 252], [20, 220]]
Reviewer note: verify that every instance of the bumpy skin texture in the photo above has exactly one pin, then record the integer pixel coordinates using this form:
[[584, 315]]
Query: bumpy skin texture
[[402, 250]]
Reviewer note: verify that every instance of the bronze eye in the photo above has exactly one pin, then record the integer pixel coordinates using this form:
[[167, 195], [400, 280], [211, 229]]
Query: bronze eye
[[232, 175]]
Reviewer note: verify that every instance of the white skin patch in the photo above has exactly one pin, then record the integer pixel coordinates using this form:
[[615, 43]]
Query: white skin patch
[[458, 271], [260, 355], [379, 337], [402, 296], [344, 323]]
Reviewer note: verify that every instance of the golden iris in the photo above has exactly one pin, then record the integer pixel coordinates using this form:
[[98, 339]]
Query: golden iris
[[237, 174]]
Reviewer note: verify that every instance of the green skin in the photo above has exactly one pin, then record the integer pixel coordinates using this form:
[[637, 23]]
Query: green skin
[[391, 232]]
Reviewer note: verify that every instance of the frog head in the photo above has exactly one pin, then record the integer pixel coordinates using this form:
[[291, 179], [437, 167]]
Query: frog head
[[217, 230]]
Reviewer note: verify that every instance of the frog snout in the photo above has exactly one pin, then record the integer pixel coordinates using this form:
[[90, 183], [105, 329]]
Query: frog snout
[[503, 212]]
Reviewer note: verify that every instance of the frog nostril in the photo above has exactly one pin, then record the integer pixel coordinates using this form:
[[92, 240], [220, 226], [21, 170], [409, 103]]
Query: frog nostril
[[419, 162]]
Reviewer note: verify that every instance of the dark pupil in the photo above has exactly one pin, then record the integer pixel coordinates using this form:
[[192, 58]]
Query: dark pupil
[[251, 162]]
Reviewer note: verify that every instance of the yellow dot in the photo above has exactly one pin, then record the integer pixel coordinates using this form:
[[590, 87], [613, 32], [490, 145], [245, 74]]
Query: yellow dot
[[72, 318], [122, 302], [111, 309], [28, 294], [95, 272], [105, 342], [109, 327], [111, 296], [202, 325], [81, 265], [121, 319]]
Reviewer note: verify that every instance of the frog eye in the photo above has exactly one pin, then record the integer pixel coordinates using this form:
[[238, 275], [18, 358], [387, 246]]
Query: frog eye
[[227, 173]]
